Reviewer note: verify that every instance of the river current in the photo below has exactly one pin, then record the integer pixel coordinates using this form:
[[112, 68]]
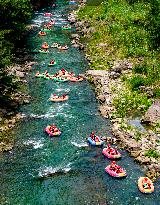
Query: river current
[[63, 170]]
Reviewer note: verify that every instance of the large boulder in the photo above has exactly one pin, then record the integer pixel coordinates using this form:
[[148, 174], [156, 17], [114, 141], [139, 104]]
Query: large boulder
[[152, 116], [120, 66], [19, 74]]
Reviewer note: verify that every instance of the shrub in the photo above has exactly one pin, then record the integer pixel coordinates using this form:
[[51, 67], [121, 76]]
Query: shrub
[[131, 102], [137, 81], [152, 153], [156, 92]]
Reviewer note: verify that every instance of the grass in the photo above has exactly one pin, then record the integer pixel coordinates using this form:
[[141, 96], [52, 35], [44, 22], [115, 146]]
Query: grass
[[152, 153], [129, 30]]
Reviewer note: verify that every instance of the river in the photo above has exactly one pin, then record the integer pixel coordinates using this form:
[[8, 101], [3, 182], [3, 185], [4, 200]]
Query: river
[[63, 170]]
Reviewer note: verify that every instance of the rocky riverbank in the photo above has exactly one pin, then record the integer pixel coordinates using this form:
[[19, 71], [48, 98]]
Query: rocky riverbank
[[143, 145], [9, 116]]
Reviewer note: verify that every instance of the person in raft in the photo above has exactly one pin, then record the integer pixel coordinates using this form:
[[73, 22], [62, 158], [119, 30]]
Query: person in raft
[[53, 128], [92, 135], [78, 77], [113, 166], [37, 73], [42, 33], [52, 62], [45, 46], [71, 73], [97, 139], [63, 96], [111, 150], [146, 183], [63, 71], [118, 170], [54, 95], [46, 73]]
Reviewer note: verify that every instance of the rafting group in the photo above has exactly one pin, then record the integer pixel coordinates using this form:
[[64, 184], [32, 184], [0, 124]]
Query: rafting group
[[61, 76], [45, 46], [145, 185], [48, 26], [60, 47]]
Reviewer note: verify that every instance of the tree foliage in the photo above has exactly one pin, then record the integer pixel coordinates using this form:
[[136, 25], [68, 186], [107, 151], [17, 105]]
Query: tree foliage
[[14, 15]]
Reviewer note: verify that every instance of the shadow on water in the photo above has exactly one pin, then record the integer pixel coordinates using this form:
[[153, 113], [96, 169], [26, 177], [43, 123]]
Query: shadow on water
[[63, 170]]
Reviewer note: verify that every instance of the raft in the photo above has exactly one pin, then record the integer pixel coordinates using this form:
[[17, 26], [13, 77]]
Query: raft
[[41, 51], [66, 28], [94, 143], [54, 45], [59, 99], [44, 34], [74, 79], [45, 47], [111, 156], [59, 79], [51, 134], [46, 77], [50, 64], [47, 30], [63, 48], [115, 174], [145, 190], [39, 76]]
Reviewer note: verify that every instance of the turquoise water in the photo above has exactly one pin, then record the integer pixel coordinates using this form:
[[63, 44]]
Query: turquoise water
[[64, 170]]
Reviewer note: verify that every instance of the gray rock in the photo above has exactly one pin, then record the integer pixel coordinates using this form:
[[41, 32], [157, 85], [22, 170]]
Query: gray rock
[[75, 46], [101, 98], [114, 75], [20, 74], [77, 36], [135, 153], [26, 101], [121, 65], [153, 114], [143, 160]]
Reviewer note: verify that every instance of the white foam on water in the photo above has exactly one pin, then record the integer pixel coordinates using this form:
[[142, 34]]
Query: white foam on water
[[65, 115], [62, 89], [52, 170], [47, 115], [38, 21], [47, 171], [58, 110], [35, 144], [79, 144]]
